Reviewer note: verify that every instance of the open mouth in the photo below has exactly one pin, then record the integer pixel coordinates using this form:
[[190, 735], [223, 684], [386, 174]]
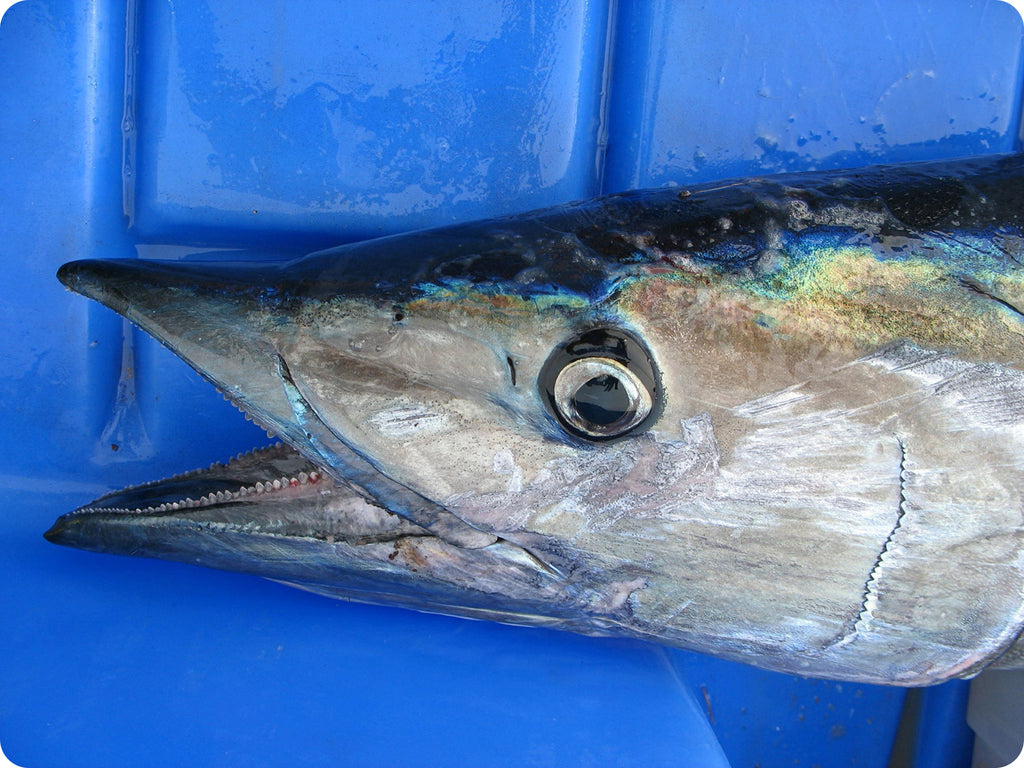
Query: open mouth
[[273, 491], [273, 513]]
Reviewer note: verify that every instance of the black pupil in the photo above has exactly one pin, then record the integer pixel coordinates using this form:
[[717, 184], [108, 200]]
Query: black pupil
[[601, 400]]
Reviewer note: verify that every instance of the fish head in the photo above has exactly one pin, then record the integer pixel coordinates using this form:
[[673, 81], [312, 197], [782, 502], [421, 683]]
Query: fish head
[[447, 385], [437, 390], [720, 423]]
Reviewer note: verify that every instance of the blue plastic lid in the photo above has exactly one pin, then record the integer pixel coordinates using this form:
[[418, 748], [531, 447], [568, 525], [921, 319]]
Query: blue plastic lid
[[163, 129]]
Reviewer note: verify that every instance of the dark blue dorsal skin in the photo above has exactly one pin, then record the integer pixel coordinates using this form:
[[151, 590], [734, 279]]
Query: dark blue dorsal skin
[[578, 246]]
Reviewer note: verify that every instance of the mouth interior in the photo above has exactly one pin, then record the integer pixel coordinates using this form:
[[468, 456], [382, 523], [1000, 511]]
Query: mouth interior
[[273, 490]]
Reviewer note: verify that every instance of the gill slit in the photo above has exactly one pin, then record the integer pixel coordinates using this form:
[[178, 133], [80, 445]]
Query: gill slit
[[862, 623]]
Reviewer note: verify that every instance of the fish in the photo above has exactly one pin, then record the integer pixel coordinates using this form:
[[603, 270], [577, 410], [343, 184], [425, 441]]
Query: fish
[[779, 420]]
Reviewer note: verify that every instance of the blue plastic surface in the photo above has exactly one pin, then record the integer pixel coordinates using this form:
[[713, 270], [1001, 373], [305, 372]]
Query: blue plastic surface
[[948, 747], [164, 128]]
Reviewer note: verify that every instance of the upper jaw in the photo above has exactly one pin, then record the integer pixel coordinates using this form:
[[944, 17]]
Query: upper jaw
[[215, 316]]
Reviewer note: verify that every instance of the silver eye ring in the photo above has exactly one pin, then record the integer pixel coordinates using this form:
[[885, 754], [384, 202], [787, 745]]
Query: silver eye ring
[[601, 385], [601, 397]]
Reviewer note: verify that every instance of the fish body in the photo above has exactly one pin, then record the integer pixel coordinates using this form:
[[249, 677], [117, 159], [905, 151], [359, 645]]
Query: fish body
[[778, 420]]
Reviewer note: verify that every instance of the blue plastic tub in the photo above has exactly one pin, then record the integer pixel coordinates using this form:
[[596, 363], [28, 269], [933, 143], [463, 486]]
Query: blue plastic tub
[[185, 126]]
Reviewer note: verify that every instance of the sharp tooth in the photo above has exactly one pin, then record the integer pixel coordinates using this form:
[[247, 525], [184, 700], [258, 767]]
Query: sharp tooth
[[277, 485], [314, 476], [303, 478]]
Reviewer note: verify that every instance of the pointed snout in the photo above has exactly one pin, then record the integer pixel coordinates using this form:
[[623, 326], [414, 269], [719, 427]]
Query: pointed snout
[[225, 319], [127, 284]]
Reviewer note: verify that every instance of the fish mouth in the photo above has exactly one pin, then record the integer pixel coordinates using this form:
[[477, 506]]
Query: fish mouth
[[274, 513], [272, 491]]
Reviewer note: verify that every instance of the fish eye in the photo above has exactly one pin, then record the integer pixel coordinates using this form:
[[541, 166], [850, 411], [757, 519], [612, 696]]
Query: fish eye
[[600, 397], [601, 385]]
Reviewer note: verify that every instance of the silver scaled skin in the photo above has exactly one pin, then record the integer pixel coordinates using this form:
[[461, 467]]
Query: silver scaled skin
[[777, 420]]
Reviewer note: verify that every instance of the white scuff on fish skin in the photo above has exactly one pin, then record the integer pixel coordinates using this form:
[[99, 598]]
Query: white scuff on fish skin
[[772, 401], [618, 594], [505, 464], [582, 494], [404, 421]]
